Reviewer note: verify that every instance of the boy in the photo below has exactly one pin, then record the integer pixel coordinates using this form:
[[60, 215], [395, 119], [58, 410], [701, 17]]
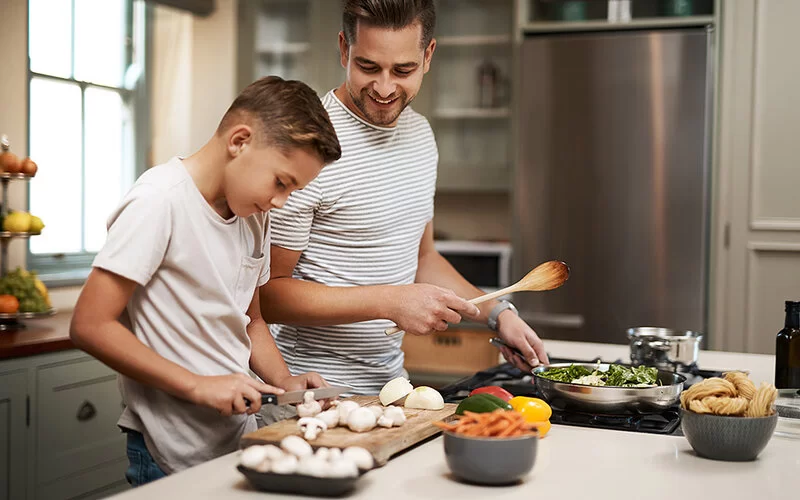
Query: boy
[[185, 255]]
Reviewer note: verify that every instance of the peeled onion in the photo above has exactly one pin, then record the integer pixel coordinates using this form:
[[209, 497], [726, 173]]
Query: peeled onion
[[395, 389], [425, 398]]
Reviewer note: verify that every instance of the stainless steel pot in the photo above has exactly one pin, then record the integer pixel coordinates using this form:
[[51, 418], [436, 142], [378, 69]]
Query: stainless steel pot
[[663, 347], [607, 399]]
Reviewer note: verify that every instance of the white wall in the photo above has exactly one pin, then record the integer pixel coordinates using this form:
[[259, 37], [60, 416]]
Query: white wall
[[194, 77]]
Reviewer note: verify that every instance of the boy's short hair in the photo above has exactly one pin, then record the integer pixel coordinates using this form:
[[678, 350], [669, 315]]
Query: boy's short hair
[[289, 114], [391, 14]]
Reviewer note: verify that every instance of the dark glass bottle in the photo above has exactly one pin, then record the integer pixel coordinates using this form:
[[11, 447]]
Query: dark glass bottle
[[787, 350]]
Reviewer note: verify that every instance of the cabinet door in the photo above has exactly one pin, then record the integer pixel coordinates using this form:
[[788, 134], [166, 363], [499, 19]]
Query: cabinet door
[[77, 407], [13, 431], [756, 240]]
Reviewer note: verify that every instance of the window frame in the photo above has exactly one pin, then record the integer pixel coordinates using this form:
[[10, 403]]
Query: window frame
[[70, 269]]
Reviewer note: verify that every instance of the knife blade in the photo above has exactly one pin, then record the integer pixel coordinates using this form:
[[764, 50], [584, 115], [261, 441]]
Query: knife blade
[[293, 397]]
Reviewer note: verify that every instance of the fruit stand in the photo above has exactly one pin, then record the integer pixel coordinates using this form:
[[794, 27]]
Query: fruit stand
[[22, 294]]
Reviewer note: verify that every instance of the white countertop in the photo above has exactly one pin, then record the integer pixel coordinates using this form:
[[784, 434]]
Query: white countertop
[[571, 461]]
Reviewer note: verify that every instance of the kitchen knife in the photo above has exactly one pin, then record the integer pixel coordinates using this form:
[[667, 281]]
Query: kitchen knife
[[294, 397]]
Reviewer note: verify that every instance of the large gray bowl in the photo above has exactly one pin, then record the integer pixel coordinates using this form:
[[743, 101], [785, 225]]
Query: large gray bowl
[[734, 439], [493, 461]]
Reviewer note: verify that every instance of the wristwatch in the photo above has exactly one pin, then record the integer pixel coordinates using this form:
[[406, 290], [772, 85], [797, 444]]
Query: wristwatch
[[496, 310]]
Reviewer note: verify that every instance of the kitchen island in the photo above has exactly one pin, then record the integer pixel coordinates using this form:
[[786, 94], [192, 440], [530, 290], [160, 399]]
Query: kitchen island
[[571, 461]]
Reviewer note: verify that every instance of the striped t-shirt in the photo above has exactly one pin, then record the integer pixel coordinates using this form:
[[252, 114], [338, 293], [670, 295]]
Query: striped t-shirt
[[359, 223]]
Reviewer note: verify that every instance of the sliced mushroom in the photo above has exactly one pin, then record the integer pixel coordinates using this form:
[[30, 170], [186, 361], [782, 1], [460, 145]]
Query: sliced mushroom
[[309, 407], [385, 421], [312, 427]]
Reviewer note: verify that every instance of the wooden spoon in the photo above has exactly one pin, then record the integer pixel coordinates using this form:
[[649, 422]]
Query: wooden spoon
[[547, 276]]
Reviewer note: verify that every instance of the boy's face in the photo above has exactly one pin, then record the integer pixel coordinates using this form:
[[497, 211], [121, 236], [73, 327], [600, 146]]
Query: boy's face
[[384, 70], [262, 177]]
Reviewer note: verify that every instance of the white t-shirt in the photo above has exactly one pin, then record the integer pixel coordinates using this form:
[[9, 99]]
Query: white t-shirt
[[359, 223], [197, 274]]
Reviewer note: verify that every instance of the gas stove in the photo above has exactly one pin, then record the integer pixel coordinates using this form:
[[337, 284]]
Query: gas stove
[[520, 383]]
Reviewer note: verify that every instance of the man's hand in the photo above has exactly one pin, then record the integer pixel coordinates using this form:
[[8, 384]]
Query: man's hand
[[421, 309], [227, 393], [516, 333]]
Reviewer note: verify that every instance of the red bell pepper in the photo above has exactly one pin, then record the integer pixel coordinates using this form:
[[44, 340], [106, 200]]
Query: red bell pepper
[[494, 391]]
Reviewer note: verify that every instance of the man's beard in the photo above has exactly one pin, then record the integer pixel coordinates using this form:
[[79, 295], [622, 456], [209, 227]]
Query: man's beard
[[380, 117]]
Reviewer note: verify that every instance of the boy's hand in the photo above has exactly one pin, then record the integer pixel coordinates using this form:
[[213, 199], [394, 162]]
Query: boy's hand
[[227, 393], [310, 380]]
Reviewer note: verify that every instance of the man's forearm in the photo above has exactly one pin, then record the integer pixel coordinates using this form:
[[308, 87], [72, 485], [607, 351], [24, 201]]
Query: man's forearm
[[292, 301], [434, 269]]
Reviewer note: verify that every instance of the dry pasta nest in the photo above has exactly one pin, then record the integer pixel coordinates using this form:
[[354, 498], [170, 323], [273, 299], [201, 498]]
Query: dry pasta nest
[[733, 395]]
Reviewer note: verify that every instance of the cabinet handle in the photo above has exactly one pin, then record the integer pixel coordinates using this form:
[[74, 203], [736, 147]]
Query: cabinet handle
[[87, 411]]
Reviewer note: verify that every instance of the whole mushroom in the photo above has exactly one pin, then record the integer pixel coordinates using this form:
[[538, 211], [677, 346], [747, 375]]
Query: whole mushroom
[[361, 420]]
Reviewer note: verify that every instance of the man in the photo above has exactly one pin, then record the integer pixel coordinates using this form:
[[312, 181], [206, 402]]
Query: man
[[355, 248]]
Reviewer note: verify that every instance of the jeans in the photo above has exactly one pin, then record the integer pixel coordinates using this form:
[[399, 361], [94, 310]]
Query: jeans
[[142, 469]]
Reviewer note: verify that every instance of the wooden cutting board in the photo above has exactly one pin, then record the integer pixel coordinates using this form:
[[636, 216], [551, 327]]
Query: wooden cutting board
[[383, 443]]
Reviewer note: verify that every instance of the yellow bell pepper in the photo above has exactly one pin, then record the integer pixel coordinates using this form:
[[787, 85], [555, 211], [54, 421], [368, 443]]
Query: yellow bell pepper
[[532, 409]]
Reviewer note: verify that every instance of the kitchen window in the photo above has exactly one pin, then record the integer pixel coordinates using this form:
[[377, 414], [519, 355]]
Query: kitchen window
[[88, 124]]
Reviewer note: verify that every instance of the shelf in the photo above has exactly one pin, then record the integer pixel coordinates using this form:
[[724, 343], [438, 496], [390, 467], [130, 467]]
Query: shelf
[[463, 178], [7, 235], [8, 176], [471, 113], [284, 49], [634, 24], [473, 40], [28, 315]]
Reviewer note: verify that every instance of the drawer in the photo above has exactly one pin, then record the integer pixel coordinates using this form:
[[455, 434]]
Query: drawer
[[77, 407], [457, 352], [100, 482]]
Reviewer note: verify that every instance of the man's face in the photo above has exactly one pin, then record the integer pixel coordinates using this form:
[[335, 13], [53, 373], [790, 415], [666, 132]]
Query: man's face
[[262, 177], [384, 70]]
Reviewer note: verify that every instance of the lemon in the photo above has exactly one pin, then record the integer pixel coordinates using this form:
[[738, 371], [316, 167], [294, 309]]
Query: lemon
[[36, 225], [17, 222]]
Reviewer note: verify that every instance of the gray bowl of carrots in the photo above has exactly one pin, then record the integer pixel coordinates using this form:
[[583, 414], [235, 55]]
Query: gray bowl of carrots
[[494, 448]]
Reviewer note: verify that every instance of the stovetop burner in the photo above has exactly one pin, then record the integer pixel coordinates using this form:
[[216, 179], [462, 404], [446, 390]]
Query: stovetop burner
[[520, 383]]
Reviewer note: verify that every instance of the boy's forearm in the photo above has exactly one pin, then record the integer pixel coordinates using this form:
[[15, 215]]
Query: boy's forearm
[[291, 301], [118, 347], [265, 359]]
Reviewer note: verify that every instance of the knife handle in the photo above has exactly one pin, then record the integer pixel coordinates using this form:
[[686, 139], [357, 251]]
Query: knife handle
[[266, 399]]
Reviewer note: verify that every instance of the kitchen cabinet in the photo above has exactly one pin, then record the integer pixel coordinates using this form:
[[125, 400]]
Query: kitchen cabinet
[[467, 94], [13, 447], [443, 357], [755, 245], [58, 434], [293, 39]]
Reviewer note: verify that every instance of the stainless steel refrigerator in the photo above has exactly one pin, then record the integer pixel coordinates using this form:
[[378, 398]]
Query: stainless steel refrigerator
[[612, 177]]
